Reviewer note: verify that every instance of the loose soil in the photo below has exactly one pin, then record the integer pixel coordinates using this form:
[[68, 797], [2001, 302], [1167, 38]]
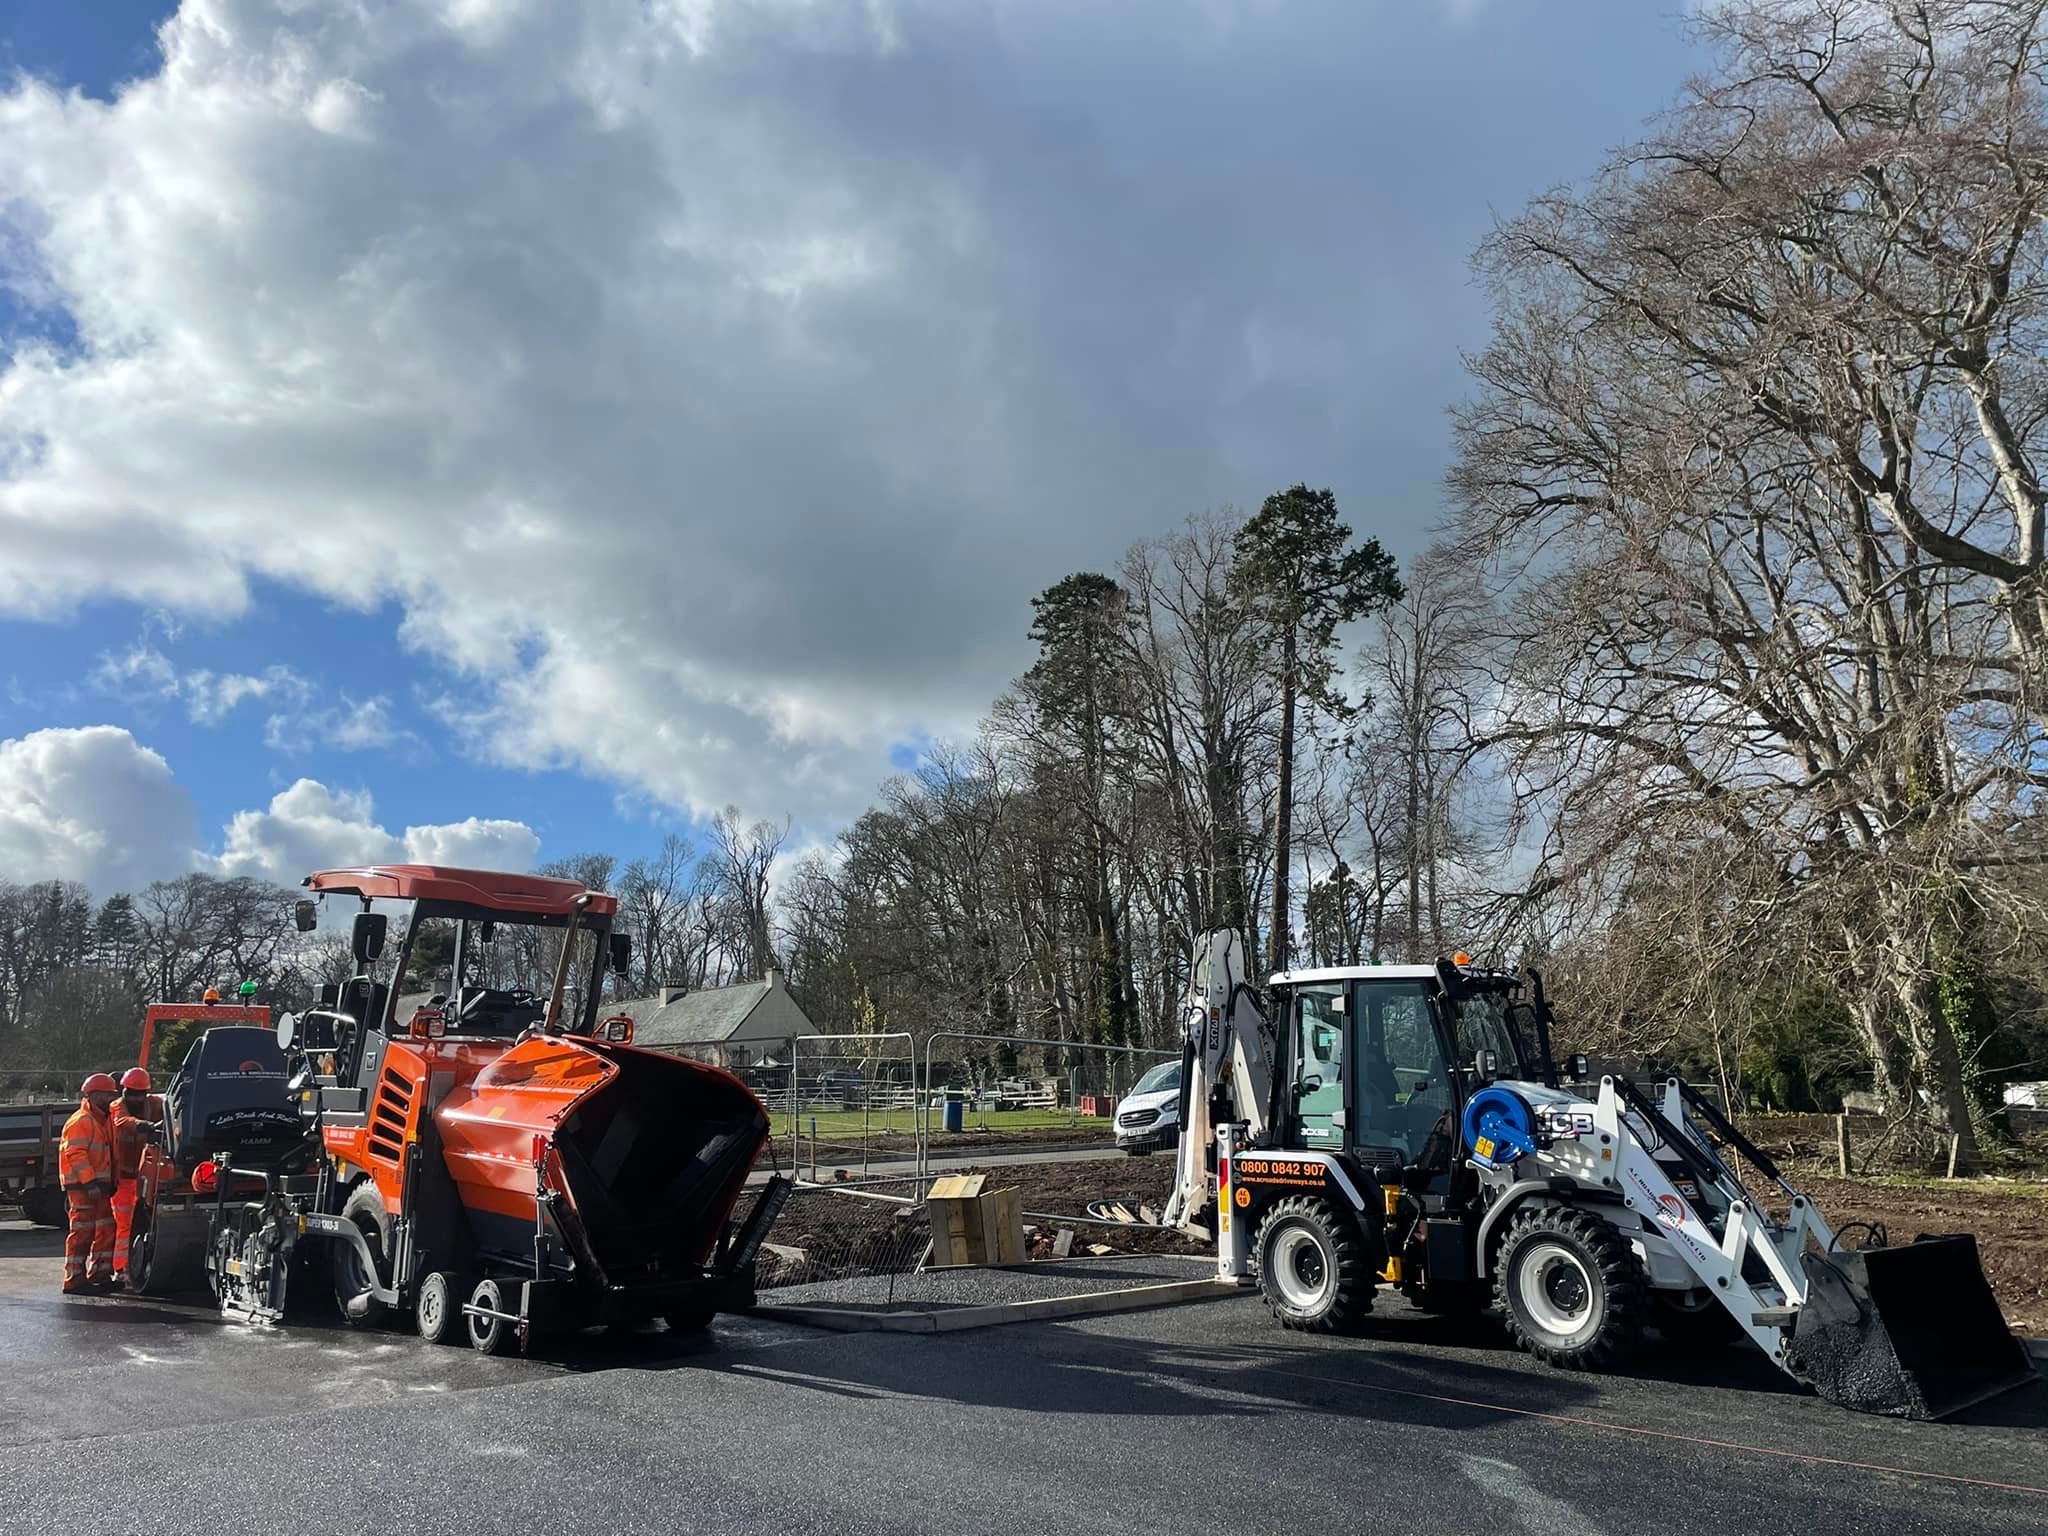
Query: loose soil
[[2010, 1222]]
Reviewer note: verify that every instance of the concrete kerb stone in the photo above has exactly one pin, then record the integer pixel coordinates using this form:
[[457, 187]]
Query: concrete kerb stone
[[1136, 1298]]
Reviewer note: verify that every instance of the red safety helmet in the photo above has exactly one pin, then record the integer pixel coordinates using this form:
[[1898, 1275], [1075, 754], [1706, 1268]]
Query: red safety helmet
[[99, 1082], [135, 1078]]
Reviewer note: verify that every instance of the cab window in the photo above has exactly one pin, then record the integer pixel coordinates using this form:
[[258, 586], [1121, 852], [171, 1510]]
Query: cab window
[[1318, 1078], [1403, 1088]]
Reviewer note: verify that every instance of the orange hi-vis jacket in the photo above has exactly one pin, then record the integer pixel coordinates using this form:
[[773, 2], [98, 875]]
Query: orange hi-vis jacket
[[85, 1149], [131, 1136]]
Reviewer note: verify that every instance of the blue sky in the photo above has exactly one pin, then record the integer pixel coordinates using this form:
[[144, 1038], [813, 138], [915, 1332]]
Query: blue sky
[[581, 418]]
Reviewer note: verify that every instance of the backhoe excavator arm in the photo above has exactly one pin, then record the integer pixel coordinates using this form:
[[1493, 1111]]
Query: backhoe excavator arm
[[1227, 1066]]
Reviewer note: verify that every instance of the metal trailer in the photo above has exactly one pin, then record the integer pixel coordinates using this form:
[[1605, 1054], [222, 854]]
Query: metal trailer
[[28, 1160]]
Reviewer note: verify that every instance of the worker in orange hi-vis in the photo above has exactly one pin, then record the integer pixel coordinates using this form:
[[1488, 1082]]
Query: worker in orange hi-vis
[[136, 1126], [85, 1168]]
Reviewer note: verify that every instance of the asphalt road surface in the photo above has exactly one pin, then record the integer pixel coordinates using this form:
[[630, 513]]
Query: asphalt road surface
[[120, 1416]]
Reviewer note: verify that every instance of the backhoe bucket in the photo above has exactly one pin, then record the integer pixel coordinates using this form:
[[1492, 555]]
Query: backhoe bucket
[[1913, 1331]]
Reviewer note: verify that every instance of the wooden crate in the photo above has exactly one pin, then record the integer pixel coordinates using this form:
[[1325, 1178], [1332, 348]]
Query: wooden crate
[[974, 1225]]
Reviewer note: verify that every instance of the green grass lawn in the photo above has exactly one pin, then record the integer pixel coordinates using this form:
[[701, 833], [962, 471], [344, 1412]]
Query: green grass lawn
[[840, 1124]]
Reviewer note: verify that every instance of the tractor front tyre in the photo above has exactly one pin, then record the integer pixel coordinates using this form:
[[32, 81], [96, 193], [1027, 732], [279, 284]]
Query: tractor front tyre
[[437, 1312], [1314, 1268], [364, 1207], [489, 1335], [1571, 1289]]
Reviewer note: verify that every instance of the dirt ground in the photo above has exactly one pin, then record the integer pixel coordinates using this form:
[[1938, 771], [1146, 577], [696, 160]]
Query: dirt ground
[[2010, 1223]]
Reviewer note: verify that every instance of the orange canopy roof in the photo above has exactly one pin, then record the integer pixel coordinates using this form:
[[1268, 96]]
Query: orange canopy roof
[[541, 895]]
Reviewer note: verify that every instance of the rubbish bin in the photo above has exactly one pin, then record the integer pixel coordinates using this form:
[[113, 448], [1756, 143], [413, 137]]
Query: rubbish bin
[[954, 1115]]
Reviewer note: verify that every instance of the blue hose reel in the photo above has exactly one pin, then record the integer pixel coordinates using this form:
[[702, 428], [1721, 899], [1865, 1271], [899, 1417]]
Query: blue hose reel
[[1499, 1129]]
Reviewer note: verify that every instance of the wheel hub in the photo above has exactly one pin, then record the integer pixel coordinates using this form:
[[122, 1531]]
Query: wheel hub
[[1557, 1292], [1300, 1271]]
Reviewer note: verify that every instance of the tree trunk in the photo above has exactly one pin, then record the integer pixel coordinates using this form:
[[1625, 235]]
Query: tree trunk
[[1935, 1054], [1283, 809]]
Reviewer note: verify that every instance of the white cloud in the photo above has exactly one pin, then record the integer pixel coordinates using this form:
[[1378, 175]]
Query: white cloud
[[708, 384], [144, 675], [353, 725], [474, 843], [90, 804], [310, 826]]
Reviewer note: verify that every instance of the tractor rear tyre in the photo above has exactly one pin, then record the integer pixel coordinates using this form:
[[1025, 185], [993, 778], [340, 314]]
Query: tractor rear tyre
[[1314, 1269], [489, 1335], [437, 1312], [1571, 1289], [364, 1207]]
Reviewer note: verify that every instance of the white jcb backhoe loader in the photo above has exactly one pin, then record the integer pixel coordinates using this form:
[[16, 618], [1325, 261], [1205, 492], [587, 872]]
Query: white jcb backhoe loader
[[1406, 1126]]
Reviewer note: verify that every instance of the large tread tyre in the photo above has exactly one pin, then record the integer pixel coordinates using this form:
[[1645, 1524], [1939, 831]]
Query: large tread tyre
[[1315, 1269], [364, 1207], [1571, 1289]]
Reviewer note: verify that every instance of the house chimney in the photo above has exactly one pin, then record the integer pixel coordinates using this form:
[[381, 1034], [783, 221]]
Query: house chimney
[[773, 976], [671, 992]]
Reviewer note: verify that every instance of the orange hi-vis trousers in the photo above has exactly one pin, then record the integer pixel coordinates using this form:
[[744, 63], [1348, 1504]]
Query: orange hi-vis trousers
[[124, 1222], [89, 1245]]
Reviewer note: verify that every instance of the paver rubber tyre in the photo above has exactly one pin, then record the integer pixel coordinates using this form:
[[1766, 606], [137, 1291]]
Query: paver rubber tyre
[[141, 1266], [1315, 1270], [489, 1335], [437, 1311], [1695, 1322], [364, 1207], [1571, 1289]]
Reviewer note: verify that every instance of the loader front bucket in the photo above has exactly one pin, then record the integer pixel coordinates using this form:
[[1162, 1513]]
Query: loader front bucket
[[1912, 1331]]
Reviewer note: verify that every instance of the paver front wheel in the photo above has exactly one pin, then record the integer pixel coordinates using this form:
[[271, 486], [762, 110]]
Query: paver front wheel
[[1571, 1288], [438, 1311], [489, 1335], [1314, 1270]]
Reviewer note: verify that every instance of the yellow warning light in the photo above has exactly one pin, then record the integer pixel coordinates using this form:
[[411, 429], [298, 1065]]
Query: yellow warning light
[[1461, 958]]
